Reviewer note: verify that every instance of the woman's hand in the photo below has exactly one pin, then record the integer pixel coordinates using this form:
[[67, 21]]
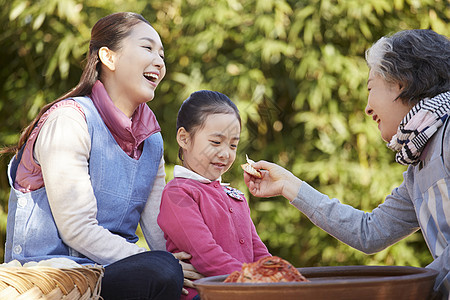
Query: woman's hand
[[189, 272], [275, 181]]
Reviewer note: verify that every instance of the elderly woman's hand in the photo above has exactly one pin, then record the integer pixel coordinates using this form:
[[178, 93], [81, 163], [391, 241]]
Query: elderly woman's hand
[[275, 181], [189, 272]]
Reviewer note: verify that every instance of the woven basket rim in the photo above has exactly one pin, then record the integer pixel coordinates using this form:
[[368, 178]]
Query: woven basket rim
[[85, 279]]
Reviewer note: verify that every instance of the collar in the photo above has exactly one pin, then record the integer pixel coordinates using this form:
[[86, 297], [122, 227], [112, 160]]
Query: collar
[[128, 133], [183, 172]]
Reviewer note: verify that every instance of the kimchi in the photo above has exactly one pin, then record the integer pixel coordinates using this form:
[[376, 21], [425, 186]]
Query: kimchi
[[267, 269]]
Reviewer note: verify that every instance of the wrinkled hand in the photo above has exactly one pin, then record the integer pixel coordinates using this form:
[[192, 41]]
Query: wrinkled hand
[[275, 181], [189, 272]]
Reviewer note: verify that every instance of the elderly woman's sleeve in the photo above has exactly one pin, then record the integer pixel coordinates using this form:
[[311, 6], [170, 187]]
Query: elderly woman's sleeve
[[368, 232]]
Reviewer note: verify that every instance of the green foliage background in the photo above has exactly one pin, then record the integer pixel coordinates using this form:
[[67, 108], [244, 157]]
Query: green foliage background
[[295, 68]]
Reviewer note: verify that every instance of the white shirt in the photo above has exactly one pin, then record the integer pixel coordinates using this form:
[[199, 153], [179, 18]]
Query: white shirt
[[72, 200]]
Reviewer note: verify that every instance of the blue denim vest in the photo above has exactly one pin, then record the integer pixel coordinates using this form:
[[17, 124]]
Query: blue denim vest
[[121, 186]]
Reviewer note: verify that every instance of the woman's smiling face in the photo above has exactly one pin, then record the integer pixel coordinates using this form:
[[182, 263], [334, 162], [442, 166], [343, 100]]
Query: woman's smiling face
[[138, 67], [384, 106]]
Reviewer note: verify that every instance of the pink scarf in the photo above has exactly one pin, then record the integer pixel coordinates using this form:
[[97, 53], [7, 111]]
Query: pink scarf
[[128, 134]]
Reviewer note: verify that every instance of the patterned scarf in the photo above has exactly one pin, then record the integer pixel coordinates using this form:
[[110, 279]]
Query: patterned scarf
[[418, 126]]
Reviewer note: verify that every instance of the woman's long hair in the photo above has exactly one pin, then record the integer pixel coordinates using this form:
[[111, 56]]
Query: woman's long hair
[[108, 32]]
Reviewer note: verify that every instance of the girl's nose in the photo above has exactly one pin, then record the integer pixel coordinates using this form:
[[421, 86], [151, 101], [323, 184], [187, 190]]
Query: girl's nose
[[224, 153]]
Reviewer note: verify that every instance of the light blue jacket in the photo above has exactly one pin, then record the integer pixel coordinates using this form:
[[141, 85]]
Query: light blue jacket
[[420, 202], [121, 186]]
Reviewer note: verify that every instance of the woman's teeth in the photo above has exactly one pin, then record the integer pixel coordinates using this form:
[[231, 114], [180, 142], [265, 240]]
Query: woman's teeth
[[151, 76]]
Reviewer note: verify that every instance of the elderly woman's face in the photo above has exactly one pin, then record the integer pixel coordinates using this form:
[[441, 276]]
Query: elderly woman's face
[[383, 106]]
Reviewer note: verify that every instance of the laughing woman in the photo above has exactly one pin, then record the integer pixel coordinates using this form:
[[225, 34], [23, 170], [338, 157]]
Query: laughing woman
[[90, 167], [409, 98]]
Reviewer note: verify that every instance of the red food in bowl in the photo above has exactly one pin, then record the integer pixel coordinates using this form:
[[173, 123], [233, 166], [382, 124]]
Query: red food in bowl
[[267, 269]]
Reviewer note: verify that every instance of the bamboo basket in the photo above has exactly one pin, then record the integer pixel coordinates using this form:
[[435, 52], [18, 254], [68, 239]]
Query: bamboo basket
[[42, 282]]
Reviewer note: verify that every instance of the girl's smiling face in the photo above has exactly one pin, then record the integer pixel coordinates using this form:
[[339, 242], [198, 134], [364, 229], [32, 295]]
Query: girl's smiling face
[[383, 105], [211, 151]]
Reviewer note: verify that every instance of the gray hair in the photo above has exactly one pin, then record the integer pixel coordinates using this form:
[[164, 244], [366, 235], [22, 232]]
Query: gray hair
[[418, 60]]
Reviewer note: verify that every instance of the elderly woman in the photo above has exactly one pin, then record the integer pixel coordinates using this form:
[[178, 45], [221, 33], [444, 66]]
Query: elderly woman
[[409, 98]]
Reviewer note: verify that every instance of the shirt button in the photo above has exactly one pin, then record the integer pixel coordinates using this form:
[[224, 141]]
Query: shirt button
[[22, 202], [231, 210], [17, 249], [241, 241]]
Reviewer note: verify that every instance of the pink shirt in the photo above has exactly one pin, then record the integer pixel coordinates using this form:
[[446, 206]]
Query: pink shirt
[[128, 133], [212, 223]]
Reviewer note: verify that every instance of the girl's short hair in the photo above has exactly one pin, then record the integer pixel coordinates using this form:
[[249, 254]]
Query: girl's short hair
[[418, 60], [198, 106]]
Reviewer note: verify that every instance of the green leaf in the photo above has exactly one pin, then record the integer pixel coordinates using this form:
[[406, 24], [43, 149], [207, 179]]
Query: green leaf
[[17, 11]]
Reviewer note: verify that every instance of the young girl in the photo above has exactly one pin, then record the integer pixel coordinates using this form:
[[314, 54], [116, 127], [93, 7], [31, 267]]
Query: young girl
[[409, 98], [90, 167], [199, 214]]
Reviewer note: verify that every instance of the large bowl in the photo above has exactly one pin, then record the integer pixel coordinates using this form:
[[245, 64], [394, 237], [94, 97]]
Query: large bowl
[[344, 282]]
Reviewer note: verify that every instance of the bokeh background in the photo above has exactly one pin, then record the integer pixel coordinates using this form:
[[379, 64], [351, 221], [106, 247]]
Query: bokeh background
[[295, 68]]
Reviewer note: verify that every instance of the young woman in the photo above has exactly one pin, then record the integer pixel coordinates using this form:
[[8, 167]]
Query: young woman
[[409, 98], [199, 214], [90, 167]]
